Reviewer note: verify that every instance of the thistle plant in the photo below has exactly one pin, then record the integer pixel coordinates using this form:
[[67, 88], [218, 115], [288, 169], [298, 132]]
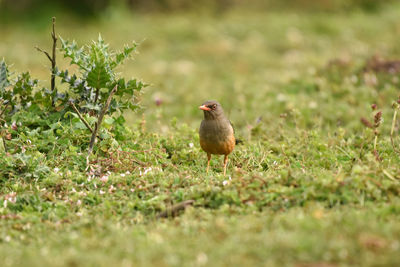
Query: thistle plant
[[94, 91], [16, 94], [97, 76]]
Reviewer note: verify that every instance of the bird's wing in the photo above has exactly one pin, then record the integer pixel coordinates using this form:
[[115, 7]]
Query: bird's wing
[[238, 141], [232, 126]]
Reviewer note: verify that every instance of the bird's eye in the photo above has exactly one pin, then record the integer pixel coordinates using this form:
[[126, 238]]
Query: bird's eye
[[214, 106]]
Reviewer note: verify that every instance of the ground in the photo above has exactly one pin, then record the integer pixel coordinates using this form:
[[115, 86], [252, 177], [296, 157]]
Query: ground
[[305, 188]]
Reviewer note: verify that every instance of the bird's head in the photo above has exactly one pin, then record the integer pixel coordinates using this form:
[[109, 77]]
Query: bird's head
[[212, 110]]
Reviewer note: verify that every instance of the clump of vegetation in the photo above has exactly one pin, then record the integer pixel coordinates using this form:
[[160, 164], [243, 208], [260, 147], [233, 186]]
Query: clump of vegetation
[[55, 122]]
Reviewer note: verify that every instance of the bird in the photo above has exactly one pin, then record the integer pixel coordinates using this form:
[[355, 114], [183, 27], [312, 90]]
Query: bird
[[216, 132]]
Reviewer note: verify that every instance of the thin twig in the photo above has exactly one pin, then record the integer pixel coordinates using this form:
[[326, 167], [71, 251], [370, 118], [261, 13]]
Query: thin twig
[[1, 135], [385, 172], [5, 107], [100, 119], [392, 131], [393, 121], [173, 211], [376, 153], [97, 95], [81, 118], [4, 144], [98, 124], [45, 52], [53, 61], [52, 58]]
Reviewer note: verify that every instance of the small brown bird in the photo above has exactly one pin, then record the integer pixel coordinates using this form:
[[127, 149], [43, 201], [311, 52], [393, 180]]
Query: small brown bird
[[216, 132]]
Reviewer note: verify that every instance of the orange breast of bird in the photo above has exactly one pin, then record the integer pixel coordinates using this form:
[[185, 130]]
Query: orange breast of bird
[[220, 147]]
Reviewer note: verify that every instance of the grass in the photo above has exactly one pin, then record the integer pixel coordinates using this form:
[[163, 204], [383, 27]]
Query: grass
[[305, 189]]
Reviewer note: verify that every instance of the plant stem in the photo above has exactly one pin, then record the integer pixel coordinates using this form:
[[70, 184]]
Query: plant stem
[[1, 133], [100, 119], [5, 107], [81, 118], [173, 211], [393, 121], [392, 131], [97, 95], [4, 143], [52, 59]]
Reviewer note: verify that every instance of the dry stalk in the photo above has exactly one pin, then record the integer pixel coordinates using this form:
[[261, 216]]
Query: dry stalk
[[98, 123], [52, 58]]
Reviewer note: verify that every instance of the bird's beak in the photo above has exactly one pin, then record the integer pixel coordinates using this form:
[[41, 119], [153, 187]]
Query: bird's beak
[[203, 107]]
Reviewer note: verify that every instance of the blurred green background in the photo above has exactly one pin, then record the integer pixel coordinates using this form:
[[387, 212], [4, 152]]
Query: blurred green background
[[258, 58], [93, 7]]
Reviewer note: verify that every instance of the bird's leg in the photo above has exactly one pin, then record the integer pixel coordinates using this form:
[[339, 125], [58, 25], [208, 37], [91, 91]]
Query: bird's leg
[[225, 163], [208, 162]]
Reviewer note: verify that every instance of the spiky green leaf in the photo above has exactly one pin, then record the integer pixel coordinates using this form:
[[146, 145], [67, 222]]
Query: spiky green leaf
[[4, 82]]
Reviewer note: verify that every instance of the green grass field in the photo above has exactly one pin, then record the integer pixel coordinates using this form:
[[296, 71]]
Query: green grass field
[[304, 189]]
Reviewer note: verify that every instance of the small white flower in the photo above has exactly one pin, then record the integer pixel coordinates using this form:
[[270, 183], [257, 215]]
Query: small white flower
[[110, 190], [73, 190], [104, 178], [102, 192], [146, 170], [225, 182], [281, 97], [312, 105], [202, 258], [128, 172], [191, 145], [7, 238], [122, 174], [12, 197], [132, 190], [14, 126], [79, 202], [29, 141], [79, 214], [56, 170]]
